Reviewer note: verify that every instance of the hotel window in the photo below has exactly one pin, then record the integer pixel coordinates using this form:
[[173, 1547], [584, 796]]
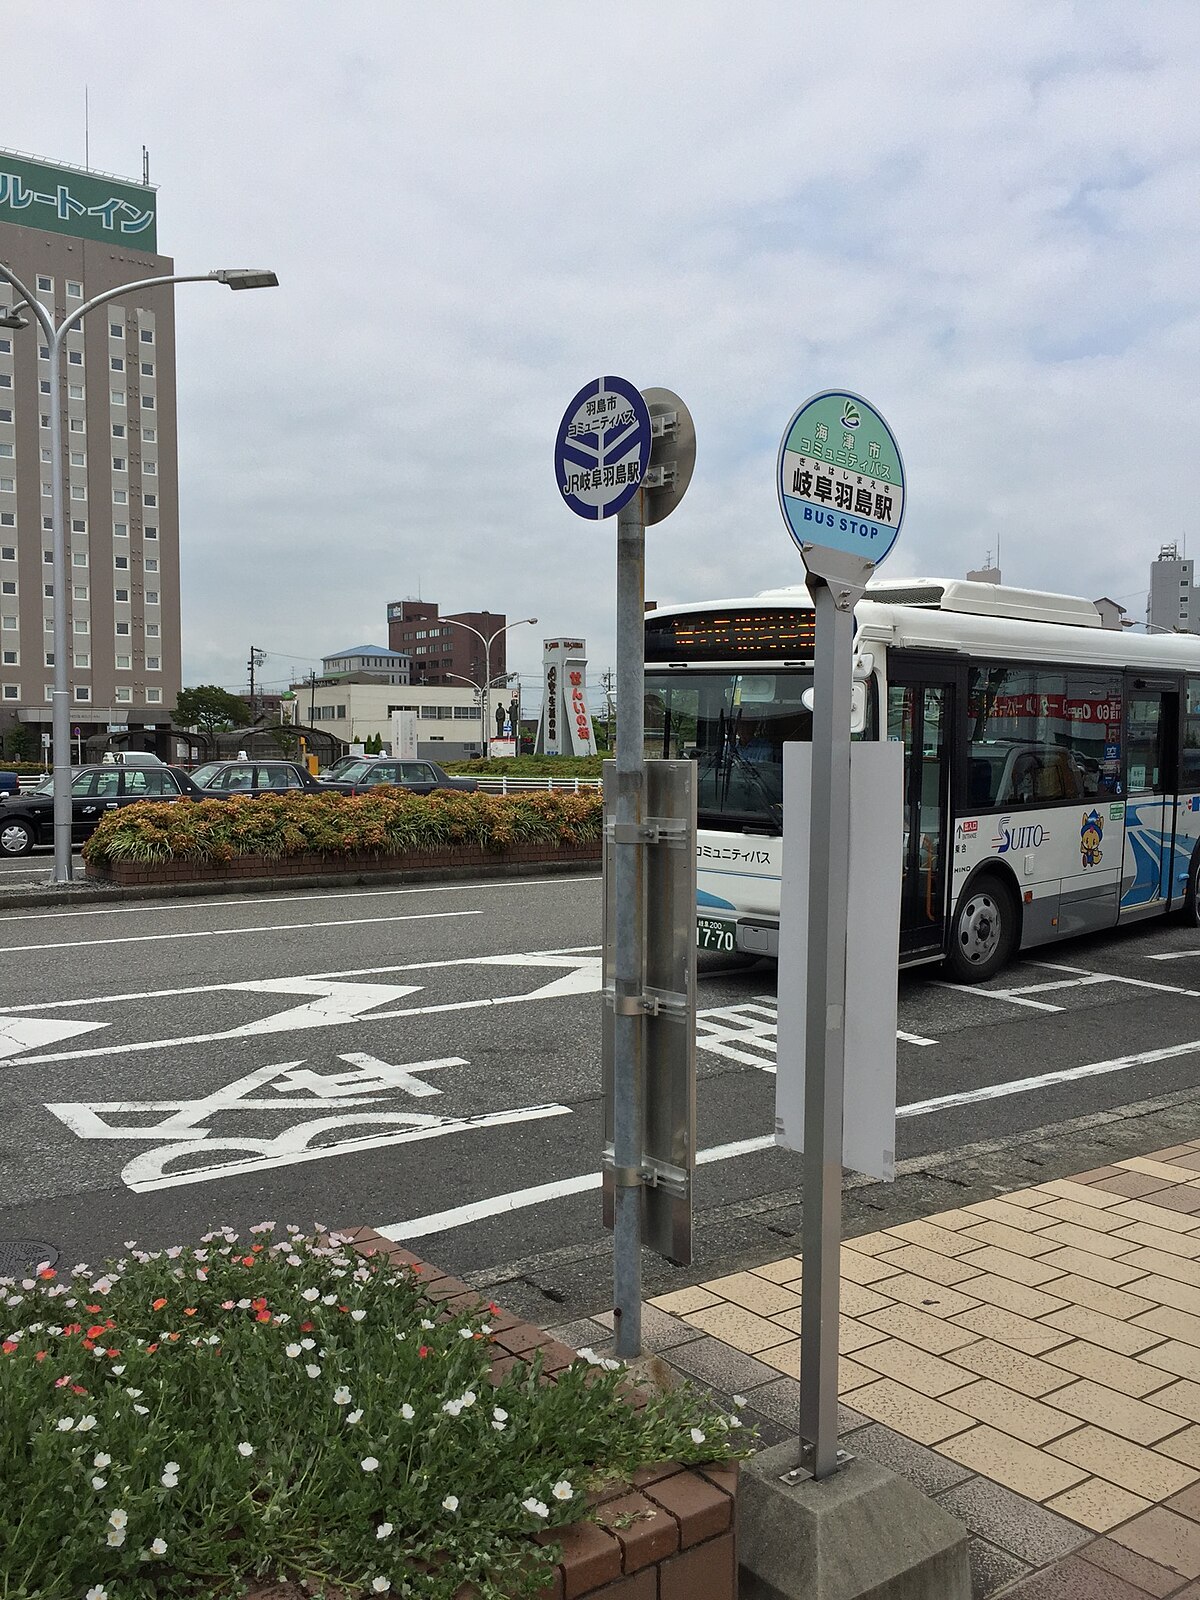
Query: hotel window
[[153, 697], [121, 563], [150, 500], [79, 558], [120, 530], [5, 413], [116, 396], [9, 624], [122, 629], [43, 383], [77, 425], [116, 330], [149, 436], [48, 657], [118, 430], [120, 497], [43, 352], [81, 625], [151, 563], [7, 451], [8, 485], [153, 664], [78, 524], [48, 624], [12, 691], [80, 591], [8, 552], [147, 369], [5, 347], [10, 658], [6, 382], [79, 491], [74, 290], [78, 459], [117, 363], [74, 391], [44, 420], [8, 519], [48, 557], [122, 663], [49, 691], [151, 597], [45, 457], [82, 692], [152, 630], [123, 695], [45, 285], [150, 531], [150, 469], [82, 658], [48, 591], [9, 586], [147, 402], [121, 596], [74, 358], [147, 335], [120, 464]]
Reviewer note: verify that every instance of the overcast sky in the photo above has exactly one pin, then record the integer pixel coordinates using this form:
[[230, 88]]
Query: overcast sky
[[983, 218]]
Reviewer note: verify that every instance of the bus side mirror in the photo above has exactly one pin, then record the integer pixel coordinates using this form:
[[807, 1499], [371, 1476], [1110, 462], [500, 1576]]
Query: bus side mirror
[[858, 708]]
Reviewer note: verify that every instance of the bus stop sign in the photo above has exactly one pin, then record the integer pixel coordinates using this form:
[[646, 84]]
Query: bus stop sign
[[841, 477], [603, 448]]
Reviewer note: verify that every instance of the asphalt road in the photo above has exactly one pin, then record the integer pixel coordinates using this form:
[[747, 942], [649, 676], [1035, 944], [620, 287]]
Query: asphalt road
[[426, 1060]]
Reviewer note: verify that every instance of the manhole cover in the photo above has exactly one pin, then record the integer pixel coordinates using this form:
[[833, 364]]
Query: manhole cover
[[18, 1257]]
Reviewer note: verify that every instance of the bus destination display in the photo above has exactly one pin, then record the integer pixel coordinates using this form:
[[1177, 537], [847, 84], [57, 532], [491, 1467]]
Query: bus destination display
[[784, 634]]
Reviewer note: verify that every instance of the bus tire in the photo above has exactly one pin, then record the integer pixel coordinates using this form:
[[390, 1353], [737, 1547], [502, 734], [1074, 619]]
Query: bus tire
[[985, 930]]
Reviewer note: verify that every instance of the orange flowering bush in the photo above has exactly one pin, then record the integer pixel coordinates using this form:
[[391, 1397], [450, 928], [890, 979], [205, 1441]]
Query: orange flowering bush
[[385, 821], [190, 1419]]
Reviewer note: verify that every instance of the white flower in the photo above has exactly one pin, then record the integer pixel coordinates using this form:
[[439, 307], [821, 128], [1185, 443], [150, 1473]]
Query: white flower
[[454, 1407], [450, 1503], [243, 1305], [96, 1592], [353, 1416], [118, 1518], [740, 1400], [117, 1371], [292, 1351], [142, 1411], [245, 1449], [310, 1294], [341, 1396], [159, 1546], [609, 1364], [485, 1327], [357, 1314], [381, 1585], [407, 1412], [313, 1370], [535, 1508], [465, 1333], [86, 1424], [116, 1537], [586, 1353], [697, 1436], [499, 1415], [562, 1490], [99, 1483], [65, 1424], [308, 1344], [134, 1394], [734, 1420], [329, 1299], [369, 1464], [293, 1261], [468, 1398], [101, 1460], [499, 1427], [425, 1322], [383, 1531]]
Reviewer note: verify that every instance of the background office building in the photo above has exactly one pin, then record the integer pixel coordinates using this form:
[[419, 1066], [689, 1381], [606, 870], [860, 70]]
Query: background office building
[[1174, 603], [442, 653], [71, 234]]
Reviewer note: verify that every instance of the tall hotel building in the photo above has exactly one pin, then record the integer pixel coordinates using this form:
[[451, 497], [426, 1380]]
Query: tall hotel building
[[70, 234]]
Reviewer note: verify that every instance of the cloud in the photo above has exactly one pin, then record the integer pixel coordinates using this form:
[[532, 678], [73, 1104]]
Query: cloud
[[982, 220]]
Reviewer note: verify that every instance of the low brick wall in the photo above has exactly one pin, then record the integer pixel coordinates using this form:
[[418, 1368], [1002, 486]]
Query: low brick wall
[[669, 1534], [454, 860]]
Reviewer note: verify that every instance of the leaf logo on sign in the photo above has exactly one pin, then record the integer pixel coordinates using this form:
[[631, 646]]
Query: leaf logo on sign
[[850, 416]]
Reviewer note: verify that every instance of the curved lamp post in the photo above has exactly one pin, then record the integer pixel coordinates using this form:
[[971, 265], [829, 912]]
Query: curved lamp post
[[487, 641], [10, 317]]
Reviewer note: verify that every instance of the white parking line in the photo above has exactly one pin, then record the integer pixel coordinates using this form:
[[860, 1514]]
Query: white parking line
[[226, 933], [996, 994], [146, 907]]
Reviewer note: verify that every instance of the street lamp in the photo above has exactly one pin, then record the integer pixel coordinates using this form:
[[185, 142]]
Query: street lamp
[[487, 642], [10, 317]]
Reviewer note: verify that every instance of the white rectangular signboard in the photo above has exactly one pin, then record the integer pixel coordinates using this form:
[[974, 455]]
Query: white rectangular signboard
[[872, 954], [404, 735]]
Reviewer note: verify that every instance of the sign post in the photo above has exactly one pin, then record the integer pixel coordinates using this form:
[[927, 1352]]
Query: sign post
[[603, 466], [841, 491]]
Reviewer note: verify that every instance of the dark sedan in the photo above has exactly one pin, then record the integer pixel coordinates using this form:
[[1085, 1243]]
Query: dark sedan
[[27, 819], [421, 777], [219, 779]]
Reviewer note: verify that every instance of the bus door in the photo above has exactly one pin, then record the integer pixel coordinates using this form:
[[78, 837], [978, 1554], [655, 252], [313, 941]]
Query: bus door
[[1152, 712], [920, 715]]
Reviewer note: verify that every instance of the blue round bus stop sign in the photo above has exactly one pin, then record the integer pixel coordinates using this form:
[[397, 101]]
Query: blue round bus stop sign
[[603, 448], [841, 477]]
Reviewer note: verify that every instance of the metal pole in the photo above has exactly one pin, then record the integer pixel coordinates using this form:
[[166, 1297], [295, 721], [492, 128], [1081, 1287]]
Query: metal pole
[[628, 872], [60, 708], [825, 1037]]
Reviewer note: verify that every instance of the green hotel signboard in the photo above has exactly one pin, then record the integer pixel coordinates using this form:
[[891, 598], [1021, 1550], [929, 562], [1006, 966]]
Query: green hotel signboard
[[85, 205]]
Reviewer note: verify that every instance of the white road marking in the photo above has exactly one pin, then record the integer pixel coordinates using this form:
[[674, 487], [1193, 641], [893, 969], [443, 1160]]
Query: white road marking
[[498, 1205], [332, 1004], [913, 1038], [27, 1033], [533, 957], [1084, 976], [226, 933], [996, 994], [584, 977], [747, 1032], [146, 907]]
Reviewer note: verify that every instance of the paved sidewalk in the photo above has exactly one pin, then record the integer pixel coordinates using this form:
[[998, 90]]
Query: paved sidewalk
[[1032, 1361]]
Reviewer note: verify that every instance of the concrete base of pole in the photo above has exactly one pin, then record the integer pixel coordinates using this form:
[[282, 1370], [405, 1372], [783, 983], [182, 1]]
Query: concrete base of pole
[[862, 1534]]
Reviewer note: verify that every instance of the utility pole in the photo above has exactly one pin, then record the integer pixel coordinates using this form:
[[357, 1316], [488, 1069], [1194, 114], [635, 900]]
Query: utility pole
[[606, 681], [312, 696], [257, 657]]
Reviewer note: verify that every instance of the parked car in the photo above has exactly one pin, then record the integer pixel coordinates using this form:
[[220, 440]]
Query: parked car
[[219, 779], [131, 758], [332, 773], [9, 783], [28, 819], [422, 777]]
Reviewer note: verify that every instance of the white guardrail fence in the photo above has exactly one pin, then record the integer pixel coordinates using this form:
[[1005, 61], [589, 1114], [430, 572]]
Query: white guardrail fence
[[501, 785]]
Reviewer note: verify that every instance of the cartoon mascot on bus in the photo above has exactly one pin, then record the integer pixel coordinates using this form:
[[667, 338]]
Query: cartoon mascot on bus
[[1090, 835]]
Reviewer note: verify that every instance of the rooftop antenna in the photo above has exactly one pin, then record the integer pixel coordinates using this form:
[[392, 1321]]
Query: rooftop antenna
[[145, 166], [86, 130]]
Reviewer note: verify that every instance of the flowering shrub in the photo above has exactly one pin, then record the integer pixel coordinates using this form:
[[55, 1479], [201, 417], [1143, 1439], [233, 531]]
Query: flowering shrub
[[385, 821], [192, 1419]]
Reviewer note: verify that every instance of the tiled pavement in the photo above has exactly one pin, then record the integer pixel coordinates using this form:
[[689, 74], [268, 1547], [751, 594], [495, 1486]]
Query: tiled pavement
[[1032, 1361]]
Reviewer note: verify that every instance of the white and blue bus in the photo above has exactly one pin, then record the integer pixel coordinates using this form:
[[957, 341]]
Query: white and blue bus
[[1052, 765]]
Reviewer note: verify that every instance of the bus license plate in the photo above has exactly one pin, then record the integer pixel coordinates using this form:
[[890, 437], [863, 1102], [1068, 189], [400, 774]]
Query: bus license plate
[[712, 933]]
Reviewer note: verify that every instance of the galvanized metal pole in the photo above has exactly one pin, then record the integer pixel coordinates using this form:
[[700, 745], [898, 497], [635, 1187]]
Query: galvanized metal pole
[[825, 1031], [629, 880], [60, 707]]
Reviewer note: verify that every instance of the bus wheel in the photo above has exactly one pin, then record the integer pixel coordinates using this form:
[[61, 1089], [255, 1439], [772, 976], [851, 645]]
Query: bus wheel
[[1191, 902], [984, 932]]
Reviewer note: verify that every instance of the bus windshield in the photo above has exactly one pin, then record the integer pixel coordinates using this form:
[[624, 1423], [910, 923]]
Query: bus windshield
[[733, 725]]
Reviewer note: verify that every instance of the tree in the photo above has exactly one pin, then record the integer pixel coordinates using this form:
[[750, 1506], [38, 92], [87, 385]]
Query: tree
[[20, 744], [209, 707]]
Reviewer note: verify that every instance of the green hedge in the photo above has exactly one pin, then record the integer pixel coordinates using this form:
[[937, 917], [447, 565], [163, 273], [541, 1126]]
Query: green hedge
[[529, 767], [382, 822]]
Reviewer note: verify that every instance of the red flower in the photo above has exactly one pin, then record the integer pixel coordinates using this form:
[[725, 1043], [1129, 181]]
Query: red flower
[[247, 1261], [8, 1346], [92, 1308], [74, 1327], [423, 1351], [151, 1348], [78, 1389], [173, 1337], [343, 1308], [260, 1304], [307, 1327], [256, 1248], [40, 1355], [114, 1354], [95, 1330], [157, 1305], [189, 1311], [47, 1273], [89, 1344], [262, 1316], [61, 1383]]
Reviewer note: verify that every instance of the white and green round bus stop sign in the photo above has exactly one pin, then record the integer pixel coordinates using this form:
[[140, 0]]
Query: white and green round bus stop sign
[[841, 477]]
